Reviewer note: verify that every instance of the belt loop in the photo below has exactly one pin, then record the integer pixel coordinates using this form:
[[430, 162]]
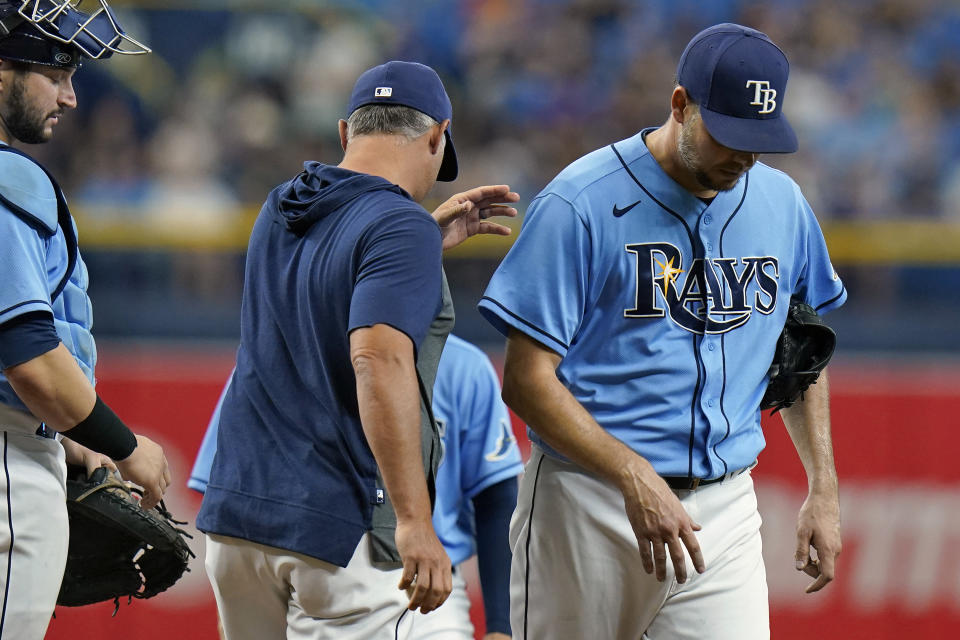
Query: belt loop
[[695, 484]]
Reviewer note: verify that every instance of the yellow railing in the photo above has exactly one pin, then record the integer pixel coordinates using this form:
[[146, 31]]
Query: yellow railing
[[132, 232], [879, 242], [894, 242]]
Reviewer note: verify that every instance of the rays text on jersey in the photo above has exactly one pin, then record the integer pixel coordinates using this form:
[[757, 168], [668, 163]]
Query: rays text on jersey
[[712, 295]]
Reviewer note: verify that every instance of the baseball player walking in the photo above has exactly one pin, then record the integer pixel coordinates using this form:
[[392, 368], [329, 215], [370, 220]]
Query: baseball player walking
[[321, 490], [476, 489], [47, 353], [642, 302]]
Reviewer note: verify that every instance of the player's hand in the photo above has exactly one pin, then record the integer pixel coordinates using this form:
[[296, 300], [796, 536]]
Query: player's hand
[[76, 453], [465, 214], [818, 526], [147, 467], [496, 636], [427, 575], [660, 523]]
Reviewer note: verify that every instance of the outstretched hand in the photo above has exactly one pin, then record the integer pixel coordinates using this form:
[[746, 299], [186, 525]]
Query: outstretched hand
[[465, 214]]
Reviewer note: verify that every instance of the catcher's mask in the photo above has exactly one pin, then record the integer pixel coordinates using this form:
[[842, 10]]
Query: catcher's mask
[[57, 34]]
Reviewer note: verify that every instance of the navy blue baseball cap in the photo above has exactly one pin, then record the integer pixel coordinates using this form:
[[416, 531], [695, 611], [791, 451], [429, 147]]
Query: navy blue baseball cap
[[738, 76], [413, 85]]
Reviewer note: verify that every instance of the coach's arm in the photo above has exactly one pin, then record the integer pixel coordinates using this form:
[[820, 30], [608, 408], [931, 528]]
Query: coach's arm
[[388, 396], [531, 388], [818, 525]]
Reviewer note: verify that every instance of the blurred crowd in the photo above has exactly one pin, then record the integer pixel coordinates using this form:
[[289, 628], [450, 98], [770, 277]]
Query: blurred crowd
[[234, 99]]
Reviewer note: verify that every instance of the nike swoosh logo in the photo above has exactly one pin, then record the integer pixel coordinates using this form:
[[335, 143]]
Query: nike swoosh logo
[[617, 211]]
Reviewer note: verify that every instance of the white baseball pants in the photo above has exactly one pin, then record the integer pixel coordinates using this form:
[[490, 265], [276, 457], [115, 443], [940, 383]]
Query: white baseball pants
[[34, 531], [265, 593], [451, 621], [577, 572]]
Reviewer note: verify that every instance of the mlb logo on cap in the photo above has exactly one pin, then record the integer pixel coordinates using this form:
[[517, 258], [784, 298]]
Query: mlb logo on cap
[[413, 85]]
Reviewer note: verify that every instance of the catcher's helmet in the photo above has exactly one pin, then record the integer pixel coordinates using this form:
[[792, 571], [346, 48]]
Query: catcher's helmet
[[58, 34]]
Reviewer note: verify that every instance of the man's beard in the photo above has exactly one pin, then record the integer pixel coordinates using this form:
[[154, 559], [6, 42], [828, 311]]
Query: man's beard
[[691, 159], [21, 122]]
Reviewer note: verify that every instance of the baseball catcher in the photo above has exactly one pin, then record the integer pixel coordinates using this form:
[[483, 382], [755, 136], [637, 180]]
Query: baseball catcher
[[802, 352], [117, 548]]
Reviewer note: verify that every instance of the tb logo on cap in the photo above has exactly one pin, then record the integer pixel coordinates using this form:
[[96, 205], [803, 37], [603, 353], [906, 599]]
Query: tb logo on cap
[[763, 95]]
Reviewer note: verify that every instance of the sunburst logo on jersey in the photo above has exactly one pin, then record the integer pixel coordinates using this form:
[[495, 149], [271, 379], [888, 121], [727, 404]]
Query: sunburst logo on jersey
[[668, 273], [504, 443]]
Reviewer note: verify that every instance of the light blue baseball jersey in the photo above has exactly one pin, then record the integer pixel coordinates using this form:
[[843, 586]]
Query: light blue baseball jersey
[[665, 309], [479, 449], [42, 269], [200, 475]]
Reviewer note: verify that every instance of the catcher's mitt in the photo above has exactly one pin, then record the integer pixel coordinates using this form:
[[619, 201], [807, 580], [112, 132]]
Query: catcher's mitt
[[117, 549], [803, 351]]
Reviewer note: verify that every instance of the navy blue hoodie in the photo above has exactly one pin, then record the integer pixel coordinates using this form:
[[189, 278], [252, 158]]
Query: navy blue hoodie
[[331, 251]]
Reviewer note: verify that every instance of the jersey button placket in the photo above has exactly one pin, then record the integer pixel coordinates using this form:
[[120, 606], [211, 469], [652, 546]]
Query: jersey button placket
[[707, 235], [712, 385], [710, 354]]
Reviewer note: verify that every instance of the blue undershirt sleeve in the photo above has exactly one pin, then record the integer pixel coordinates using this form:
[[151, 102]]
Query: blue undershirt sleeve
[[493, 507], [25, 337]]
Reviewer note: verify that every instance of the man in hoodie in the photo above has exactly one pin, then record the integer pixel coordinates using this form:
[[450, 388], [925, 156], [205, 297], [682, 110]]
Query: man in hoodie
[[322, 488], [476, 489]]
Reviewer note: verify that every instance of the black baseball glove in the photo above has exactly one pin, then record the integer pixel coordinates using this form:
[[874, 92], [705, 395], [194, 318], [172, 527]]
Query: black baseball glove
[[117, 549], [803, 351]]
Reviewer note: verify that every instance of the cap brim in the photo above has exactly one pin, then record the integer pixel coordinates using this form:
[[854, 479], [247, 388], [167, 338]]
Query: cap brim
[[752, 135], [448, 168]]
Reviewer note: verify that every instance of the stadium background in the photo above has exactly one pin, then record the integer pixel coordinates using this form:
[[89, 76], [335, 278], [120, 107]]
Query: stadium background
[[169, 155]]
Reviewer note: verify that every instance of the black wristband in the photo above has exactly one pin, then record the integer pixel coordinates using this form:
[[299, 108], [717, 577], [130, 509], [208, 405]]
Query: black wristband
[[104, 432]]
